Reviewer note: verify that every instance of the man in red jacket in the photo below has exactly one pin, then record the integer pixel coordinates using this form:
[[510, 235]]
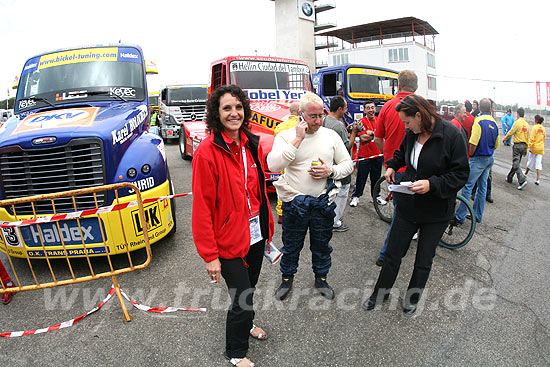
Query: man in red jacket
[[364, 130], [469, 119]]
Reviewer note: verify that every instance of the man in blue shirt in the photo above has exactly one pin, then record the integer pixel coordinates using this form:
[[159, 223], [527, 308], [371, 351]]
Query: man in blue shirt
[[507, 122], [483, 142]]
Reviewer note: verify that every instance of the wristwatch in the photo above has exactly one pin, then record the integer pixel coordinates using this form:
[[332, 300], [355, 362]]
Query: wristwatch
[[331, 173]]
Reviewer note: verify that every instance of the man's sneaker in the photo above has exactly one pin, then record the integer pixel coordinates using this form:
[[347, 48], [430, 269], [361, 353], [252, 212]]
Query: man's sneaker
[[381, 201], [379, 261], [522, 185], [341, 228], [537, 182], [322, 286], [286, 285], [509, 179], [354, 201]]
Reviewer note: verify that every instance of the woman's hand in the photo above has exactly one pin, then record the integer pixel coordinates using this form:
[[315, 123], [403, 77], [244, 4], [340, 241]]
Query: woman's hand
[[390, 175], [214, 268], [420, 187]]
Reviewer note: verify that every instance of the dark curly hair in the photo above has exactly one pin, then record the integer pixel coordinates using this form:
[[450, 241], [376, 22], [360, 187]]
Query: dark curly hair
[[213, 122]]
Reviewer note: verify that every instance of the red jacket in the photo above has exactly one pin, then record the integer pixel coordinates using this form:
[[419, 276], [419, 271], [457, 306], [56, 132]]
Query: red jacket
[[220, 210]]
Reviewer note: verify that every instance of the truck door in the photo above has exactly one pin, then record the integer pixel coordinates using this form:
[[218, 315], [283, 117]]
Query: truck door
[[333, 84], [162, 106]]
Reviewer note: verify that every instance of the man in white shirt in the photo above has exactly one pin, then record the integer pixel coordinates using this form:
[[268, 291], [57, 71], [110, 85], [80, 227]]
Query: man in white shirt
[[312, 156]]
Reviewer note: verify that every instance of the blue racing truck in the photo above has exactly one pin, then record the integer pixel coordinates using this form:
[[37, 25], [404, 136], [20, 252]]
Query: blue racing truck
[[82, 120], [356, 83]]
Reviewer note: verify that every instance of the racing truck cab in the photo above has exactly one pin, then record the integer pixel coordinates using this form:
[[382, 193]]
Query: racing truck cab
[[356, 83], [179, 104], [272, 84], [82, 120]]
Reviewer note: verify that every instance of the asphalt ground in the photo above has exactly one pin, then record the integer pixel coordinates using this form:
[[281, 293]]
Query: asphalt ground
[[486, 304]]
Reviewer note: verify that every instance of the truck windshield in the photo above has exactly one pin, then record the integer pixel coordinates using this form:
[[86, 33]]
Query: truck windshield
[[179, 96], [371, 83], [153, 100], [251, 74], [64, 76]]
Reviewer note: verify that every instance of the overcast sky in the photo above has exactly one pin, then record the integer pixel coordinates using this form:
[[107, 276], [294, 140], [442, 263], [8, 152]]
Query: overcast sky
[[477, 40]]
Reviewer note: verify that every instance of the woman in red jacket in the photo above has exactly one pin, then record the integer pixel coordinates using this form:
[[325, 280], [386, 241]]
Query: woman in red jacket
[[231, 215]]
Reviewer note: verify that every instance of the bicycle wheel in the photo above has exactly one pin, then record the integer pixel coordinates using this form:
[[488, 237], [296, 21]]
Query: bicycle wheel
[[383, 202], [459, 234]]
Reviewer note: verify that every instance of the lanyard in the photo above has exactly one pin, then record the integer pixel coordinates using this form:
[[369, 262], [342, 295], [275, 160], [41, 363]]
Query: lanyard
[[245, 180]]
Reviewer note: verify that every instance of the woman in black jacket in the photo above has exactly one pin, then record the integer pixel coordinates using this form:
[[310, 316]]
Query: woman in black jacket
[[436, 160]]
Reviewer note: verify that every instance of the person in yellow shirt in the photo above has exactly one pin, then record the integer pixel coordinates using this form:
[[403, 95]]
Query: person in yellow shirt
[[289, 123], [520, 132], [536, 148]]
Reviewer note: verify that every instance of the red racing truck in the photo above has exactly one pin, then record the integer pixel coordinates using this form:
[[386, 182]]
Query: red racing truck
[[272, 84]]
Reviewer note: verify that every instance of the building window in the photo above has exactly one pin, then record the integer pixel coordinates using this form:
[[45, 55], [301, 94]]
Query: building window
[[340, 59], [432, 83], [398, 54], [431, 60]]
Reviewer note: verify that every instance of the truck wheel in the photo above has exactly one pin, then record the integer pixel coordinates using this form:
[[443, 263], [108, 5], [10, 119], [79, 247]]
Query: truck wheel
[[183, 146]]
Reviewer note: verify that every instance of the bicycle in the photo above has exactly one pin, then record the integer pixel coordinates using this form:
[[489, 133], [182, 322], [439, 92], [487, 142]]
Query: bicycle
[[456, 234]]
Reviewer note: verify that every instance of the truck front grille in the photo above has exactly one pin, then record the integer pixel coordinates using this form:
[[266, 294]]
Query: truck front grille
[[194, 112], [26, 172]]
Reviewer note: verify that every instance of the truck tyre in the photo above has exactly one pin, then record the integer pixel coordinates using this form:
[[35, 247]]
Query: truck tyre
[[183, 146]]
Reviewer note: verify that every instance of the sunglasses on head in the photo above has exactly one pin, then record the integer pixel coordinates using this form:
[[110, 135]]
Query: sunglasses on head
[[414, 108]]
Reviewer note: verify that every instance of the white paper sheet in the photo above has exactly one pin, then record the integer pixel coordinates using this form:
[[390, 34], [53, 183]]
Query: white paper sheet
[[403, 187]]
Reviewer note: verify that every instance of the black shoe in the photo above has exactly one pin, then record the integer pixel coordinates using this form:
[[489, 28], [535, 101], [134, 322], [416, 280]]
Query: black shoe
[[379, 261], [489, 199], [454, 222], [409, 309], [322, 286], [286, 285], [509, 179], [370, 303]]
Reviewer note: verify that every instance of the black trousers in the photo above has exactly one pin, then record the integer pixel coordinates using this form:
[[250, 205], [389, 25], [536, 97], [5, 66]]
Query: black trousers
[[241, 282], [372, 167], [401, 233]]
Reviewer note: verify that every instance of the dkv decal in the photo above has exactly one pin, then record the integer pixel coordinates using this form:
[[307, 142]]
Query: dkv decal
[[74, 117]]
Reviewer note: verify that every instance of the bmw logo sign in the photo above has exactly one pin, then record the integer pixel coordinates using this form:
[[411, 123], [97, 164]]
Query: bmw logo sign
[[307, 9]]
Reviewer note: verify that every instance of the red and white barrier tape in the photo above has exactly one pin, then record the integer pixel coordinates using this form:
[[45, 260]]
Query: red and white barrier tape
[[353, 160], [83, 213], [371, 157], [15, 334], [160, 309]]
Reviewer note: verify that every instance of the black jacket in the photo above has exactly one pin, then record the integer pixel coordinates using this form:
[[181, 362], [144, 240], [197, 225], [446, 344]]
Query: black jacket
[[444, 162]]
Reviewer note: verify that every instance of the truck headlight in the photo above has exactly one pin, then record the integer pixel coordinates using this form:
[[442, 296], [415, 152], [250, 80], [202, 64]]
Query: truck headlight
[[131, 173], [145, 169]]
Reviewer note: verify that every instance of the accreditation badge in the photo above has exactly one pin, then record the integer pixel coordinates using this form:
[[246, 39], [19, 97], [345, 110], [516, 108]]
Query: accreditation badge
[[255, 231]]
